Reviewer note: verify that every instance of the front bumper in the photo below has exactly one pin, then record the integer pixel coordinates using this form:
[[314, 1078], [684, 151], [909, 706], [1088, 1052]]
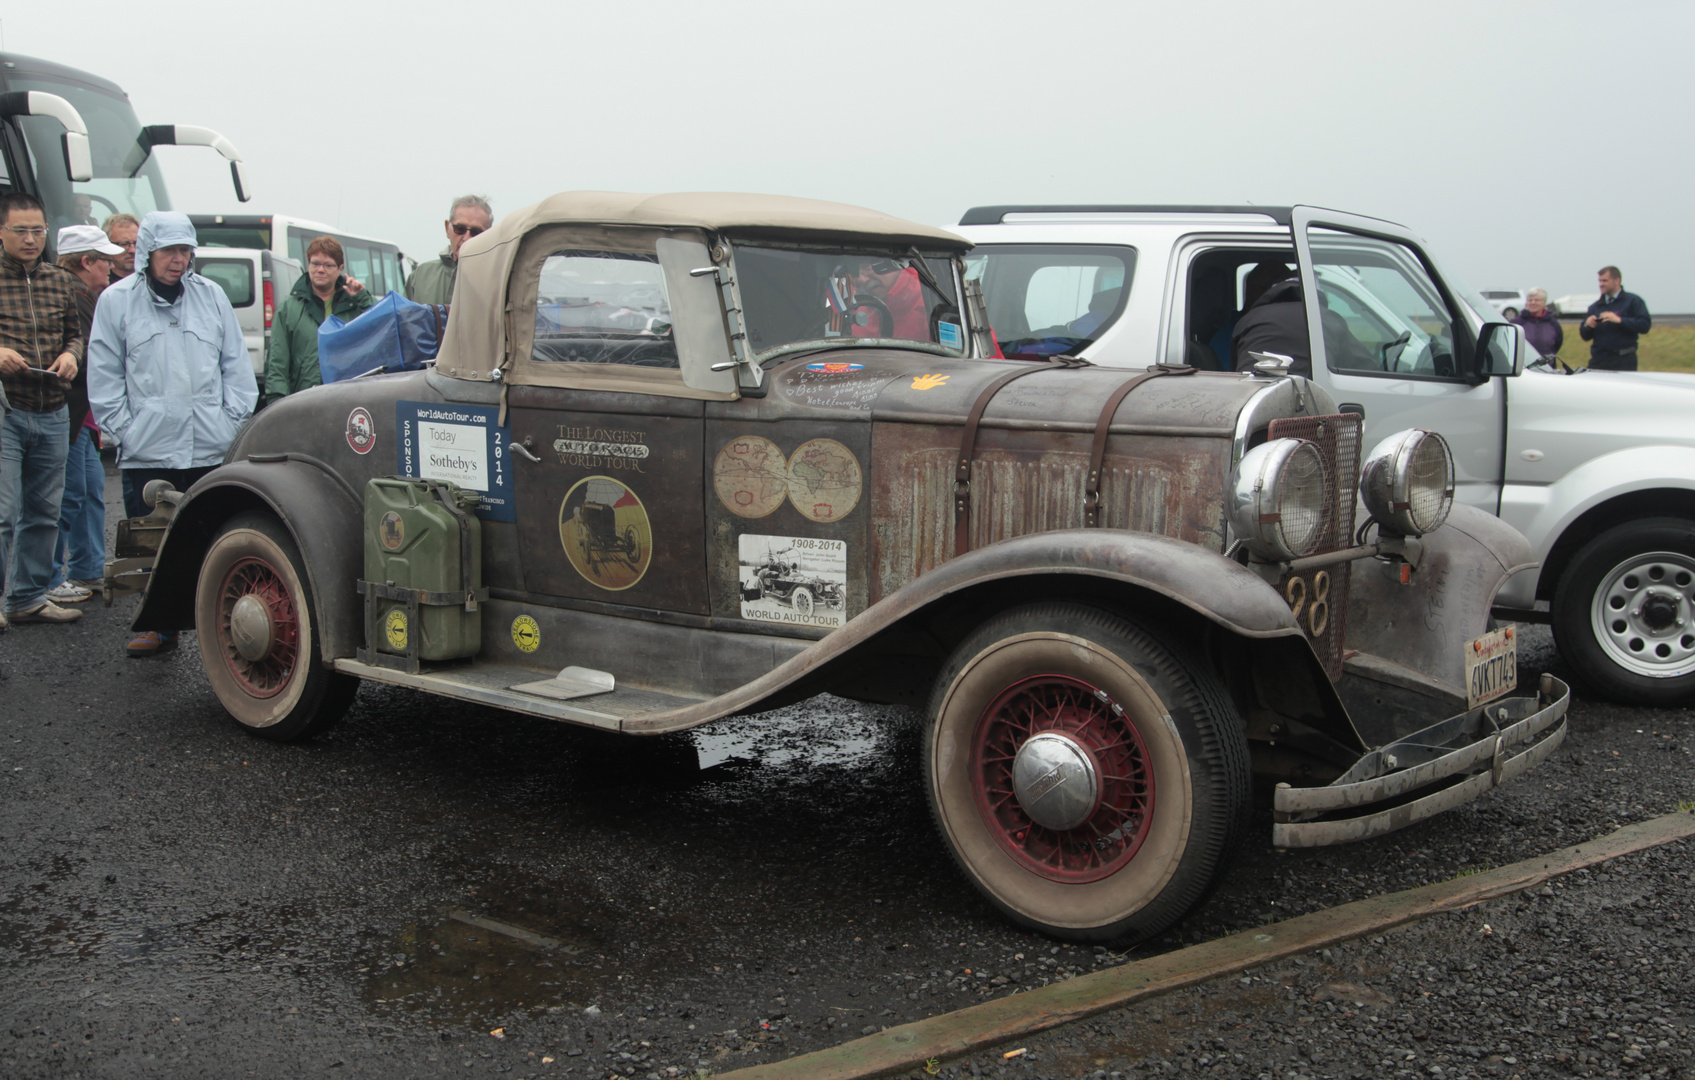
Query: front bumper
[[1458, 759]]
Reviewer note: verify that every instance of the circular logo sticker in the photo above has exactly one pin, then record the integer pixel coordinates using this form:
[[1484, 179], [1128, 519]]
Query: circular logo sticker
[[392, 531], [526, 634], [361, 433], [750, 476], [394, 627], [824, 480], [606, 533]]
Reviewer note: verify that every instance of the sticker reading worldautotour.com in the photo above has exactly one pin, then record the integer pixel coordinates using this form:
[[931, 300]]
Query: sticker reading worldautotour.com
[[463, 444], [796, 580]]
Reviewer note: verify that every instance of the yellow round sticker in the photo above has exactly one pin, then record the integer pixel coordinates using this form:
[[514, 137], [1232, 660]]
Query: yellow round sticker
[[395, 627], [526, 634]]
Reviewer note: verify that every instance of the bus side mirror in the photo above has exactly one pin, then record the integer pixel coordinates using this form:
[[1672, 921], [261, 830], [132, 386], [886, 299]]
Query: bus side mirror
[[79, 163]]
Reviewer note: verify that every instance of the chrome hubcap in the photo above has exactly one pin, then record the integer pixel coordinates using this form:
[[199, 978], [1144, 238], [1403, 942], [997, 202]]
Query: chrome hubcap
[[1056, 781], [251, 628], [1643, 614]]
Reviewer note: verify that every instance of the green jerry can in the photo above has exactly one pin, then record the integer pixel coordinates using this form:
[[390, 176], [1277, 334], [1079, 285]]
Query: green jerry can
[[423, 582]]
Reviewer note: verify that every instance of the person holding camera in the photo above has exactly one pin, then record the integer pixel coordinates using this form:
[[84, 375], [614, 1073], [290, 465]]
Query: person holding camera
[[1615, 322]]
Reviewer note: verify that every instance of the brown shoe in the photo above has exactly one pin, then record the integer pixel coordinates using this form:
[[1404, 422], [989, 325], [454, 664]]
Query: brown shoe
[[46, 612], [150, 643], [2, 621]]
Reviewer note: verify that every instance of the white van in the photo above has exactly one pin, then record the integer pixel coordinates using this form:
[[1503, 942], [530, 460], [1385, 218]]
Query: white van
[[378, 264], [255, 280]]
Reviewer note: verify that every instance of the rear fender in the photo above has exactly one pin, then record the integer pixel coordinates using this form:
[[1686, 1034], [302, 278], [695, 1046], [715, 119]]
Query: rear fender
[[319, 509]]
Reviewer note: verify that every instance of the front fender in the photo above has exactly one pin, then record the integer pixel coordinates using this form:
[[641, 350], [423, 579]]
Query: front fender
[[1139, 573], [1544, 512], [319, 509]]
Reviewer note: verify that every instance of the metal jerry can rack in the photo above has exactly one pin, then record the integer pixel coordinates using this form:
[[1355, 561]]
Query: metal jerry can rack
[[423, 574]]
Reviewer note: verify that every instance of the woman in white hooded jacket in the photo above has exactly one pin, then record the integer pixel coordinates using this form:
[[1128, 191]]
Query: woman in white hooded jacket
[[168, 372]]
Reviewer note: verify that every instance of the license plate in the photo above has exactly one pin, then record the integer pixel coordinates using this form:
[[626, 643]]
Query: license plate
[[1491, 666]]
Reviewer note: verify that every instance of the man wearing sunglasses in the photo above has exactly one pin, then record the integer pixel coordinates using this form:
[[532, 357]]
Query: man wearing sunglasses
[[41, 351], [898, 287], [432, 282]]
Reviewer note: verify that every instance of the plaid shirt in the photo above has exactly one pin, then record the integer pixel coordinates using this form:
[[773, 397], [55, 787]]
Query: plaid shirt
[[38, 318]]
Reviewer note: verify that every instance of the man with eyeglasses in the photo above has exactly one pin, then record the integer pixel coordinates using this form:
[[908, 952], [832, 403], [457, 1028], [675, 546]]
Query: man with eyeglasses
[[121, 230], [291, 361], [432, 282], [41, 350]]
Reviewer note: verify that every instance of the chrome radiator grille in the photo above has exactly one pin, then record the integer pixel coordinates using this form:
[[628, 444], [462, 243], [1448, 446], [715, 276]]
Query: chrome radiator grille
[[1320, 598]]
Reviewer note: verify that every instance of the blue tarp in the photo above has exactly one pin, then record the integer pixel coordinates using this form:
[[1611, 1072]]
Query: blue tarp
[[394, 334]]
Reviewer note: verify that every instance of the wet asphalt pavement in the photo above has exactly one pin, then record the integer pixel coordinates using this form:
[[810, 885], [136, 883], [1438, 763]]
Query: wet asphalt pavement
[[179, 899]]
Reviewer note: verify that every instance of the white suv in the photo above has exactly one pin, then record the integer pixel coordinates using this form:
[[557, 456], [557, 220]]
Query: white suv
[[1596, 468]]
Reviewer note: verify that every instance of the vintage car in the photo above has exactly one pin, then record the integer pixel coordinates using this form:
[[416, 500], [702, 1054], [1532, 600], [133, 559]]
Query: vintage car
[[1120, 596]]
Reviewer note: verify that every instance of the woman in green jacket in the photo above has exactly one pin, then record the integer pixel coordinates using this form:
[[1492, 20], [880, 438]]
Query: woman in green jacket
[[291, 361]]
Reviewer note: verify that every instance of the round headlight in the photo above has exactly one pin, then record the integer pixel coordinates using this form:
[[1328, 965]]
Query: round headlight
[[1408, 482], [1281, 499]]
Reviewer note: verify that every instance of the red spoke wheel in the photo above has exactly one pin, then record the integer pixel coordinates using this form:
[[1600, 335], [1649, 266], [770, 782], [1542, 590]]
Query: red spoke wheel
[[1091, 780], [255, 623], [1062, 776]]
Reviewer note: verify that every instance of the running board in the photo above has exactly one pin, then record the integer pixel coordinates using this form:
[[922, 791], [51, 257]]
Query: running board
[[498, 686]]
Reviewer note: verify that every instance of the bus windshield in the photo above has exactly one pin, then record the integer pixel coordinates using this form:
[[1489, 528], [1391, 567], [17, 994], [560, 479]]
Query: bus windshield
[[113, 135]]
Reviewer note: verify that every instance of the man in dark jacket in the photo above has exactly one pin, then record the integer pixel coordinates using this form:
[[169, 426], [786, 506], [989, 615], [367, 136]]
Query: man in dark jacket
[[432, 282], [1274, 319], [41, 351], [1615, 322], [291, 362]]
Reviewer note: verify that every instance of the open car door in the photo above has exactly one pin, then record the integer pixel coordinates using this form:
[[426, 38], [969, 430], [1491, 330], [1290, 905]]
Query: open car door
[[1391, 340]]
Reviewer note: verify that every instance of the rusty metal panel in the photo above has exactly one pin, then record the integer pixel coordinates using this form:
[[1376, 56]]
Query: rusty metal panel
[[1320, 599], [612, 511], [1029, 481]]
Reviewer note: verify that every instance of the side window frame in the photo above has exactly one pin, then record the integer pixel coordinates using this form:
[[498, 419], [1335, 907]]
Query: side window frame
[[523, 287], [1174, 332], [1306, 219]]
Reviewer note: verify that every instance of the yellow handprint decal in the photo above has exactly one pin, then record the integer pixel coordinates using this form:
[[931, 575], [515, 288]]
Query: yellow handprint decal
[[928, 382]]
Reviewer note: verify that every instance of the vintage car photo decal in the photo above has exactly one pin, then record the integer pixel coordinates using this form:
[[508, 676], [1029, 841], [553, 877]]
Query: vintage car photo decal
[[606, 533], [928, 382], [798, 580], [392, 531], [464, 444], [526, 634], [750, 476], [361, 433], [824, 480]]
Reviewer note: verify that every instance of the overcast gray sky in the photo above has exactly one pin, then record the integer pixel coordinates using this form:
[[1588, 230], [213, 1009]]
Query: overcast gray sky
[[1530, 143]]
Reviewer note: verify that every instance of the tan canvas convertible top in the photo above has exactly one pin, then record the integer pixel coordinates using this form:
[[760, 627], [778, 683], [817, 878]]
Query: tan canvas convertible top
[[475, 341]]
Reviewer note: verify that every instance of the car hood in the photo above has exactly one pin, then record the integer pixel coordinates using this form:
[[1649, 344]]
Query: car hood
[[1556, 421]]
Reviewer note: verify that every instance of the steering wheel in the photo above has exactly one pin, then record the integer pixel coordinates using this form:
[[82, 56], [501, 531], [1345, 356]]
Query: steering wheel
[[885, 317], [101, 199], [1405, 336]]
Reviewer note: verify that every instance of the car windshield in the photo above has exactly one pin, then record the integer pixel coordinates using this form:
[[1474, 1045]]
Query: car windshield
[[793, 298], [603, 307], [113, 132], [1049, 301]]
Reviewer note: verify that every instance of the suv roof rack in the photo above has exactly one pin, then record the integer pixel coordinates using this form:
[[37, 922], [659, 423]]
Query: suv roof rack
[[994, 215]]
